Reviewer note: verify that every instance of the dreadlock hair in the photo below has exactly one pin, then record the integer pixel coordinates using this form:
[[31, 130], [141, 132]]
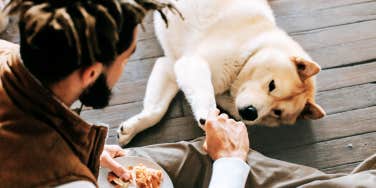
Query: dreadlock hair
[[58, 37]]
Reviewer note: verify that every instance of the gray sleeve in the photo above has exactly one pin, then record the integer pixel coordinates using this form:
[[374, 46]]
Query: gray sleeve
[[366, 179], [267, 172]]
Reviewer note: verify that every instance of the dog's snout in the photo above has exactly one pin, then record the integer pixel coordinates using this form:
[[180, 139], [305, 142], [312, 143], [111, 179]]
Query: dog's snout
[[248, 113]]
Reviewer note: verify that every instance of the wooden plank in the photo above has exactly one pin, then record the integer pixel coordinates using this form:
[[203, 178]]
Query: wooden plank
[[129, 92], [340, 35], [349, 98], [306, 20], [167, 131], [346, 53], [345, 168], [187, 111], [114, 115], [147, 48], [172, 130], [286, 7], [137, 70], [333, 126], [331, 153], [346, 76]]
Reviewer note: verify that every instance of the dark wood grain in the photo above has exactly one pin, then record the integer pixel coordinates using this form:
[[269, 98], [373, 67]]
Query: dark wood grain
[[331, 127], [311, 18], [291, 7], [346, 76], [114, 115], [349, 98], [328, 153]]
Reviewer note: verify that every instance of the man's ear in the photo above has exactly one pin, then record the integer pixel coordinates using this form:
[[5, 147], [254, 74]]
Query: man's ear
[[312, 111], [305, 67], [90, 74]]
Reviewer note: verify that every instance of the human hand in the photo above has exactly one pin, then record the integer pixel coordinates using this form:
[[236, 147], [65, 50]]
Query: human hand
[[107, 160], [225, 137]]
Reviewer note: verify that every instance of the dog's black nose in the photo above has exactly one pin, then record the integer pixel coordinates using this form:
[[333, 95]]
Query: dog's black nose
[[248, 113]]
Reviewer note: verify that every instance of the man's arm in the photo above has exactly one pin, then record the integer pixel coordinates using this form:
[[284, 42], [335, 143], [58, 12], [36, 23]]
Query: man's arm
[[229, 172], [227, 143], [107, 161]]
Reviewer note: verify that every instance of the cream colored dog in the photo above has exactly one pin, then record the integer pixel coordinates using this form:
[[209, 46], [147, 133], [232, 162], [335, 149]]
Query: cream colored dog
[[232, 53]]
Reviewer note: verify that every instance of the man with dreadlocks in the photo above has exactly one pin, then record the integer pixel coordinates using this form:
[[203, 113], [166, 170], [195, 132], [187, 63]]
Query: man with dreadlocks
[[70, 50], [77, 49]]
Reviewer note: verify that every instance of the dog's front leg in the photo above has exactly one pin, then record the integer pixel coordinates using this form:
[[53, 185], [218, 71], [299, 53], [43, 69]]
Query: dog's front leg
[[194, 79], [161, 89]]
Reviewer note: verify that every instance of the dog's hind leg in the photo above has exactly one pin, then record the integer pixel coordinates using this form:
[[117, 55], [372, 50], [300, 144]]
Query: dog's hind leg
[[194, 79], [161, 89]]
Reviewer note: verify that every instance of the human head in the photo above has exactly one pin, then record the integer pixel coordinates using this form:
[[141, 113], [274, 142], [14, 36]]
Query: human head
[[88, 37]]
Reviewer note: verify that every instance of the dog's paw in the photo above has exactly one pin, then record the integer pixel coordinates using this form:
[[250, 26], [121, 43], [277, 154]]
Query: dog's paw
[[201, 123], [126, 132]]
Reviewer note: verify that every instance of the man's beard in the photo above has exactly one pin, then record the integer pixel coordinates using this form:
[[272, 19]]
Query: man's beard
[[97, 95]]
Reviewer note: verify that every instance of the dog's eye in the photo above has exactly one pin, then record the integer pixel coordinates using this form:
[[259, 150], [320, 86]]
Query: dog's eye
[[277, 112], [271, 86]]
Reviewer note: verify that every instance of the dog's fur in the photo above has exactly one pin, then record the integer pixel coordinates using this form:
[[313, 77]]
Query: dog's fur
[[229, 52]]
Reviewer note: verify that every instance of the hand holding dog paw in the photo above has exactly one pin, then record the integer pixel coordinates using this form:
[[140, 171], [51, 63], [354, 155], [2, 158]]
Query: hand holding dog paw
[[225, 137]]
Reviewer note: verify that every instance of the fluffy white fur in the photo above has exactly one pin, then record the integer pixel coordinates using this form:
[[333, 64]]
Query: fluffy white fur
[[226, 51]]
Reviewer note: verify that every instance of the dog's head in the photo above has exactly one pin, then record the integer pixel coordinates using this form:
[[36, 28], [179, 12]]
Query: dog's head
[[274, 89]]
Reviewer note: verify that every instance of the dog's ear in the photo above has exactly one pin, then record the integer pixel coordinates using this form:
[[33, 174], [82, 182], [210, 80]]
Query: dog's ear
[[312, 111], [305, 67]]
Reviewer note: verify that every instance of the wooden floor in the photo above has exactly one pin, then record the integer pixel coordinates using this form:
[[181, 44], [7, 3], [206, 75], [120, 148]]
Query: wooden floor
[[339, 34]]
